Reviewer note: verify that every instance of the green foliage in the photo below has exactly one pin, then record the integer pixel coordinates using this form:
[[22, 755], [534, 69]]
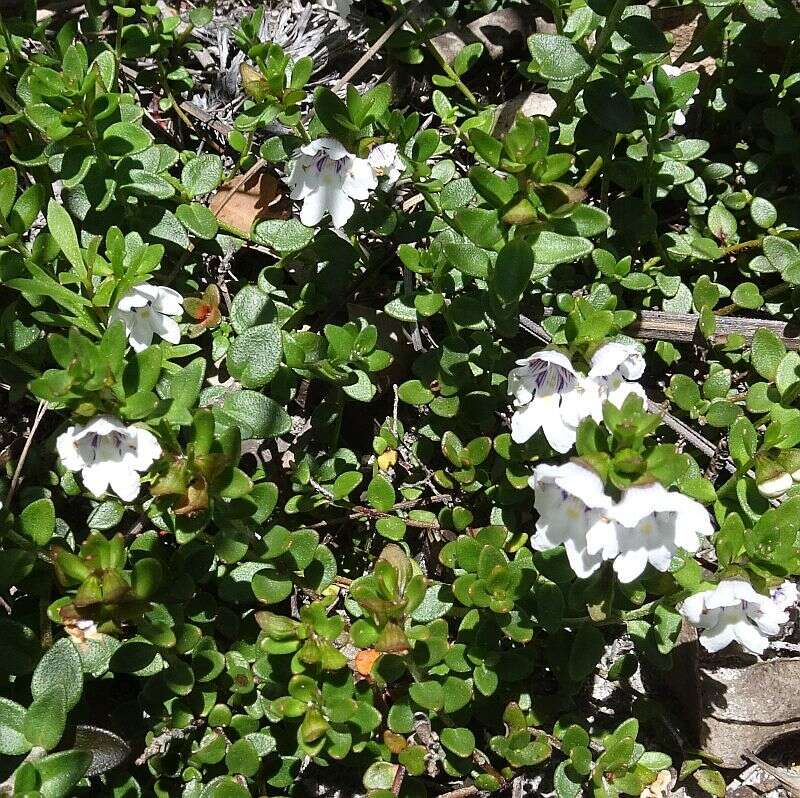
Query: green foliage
[[328, 560]]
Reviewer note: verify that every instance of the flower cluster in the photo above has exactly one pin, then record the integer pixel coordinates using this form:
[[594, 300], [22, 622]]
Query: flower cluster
[[551, 395], [327, 178], [649, 524], [734, 612]]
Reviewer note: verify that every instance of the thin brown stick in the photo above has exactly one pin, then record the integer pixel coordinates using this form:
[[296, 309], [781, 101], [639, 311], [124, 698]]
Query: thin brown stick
[[789, 781], [40, 411], [379, 42], [397, 782], [461, 792]]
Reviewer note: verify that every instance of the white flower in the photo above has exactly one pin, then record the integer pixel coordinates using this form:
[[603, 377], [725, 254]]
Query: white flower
[[615, 367], [652, 523], [733, 611], [146, 310], [340, 7], [386, 162], [327, 178], [107, 453], [550, 395], [573, 508], [785, 595]]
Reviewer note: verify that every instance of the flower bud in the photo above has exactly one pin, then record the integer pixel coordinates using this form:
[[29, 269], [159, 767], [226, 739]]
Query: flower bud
[[772, 481]]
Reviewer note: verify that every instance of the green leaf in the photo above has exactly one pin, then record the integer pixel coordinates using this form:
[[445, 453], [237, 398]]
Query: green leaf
[[270, 587], [202, 174], [458, 740], [60, 225], [512, 270], [257, 415], [38, 521], [763, 212], [556, 57], [742, 441], [60, 772], [242, 758], [12, 735], [587, 648], [413, 392], [46, 718], [766, 353], [747, 295], [224, 787], [283, 235], [60, 666], [711, 781], [8, 189], [610, 106], [428, 694], [550, 249], [255, 356], [198, 219], [184, 389], [380, 493], [125, 138]]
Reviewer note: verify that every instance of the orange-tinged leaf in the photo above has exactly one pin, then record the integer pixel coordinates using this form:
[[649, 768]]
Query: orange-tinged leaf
[[365, 659]]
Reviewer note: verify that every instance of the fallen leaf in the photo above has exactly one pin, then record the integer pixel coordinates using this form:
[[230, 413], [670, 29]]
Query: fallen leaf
[[387, 459], [260, 197]]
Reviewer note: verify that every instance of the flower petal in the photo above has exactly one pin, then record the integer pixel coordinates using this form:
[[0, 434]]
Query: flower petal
[[168, 301], [166, 327], [525, 423], [359, 180], [96, 478], [630, 564], [719, 636], [124, 481], [67, 450]]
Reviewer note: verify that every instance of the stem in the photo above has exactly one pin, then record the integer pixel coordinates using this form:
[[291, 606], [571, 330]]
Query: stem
[[623, 617], [597, 164], [446, 68], [612, 20], [301, 130], [649, 189], [770, 293], [735, 249]]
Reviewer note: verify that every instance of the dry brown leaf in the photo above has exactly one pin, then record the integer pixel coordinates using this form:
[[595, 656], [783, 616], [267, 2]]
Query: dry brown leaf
[[261, 197], [365, 659]]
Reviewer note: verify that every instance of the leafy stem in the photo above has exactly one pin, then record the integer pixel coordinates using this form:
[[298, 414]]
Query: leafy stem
[[612, 20], [444, 66]]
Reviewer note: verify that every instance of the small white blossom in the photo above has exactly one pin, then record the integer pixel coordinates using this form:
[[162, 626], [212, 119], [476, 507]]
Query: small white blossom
[[108, 454], [550, 395], [146, 310], [386, 162], [785, 595], [734, 612], [652, 523], [327, 178], [573, 508], [615, 367]]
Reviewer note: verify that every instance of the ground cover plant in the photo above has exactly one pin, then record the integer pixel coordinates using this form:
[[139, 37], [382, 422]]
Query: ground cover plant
[[387, 416]]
